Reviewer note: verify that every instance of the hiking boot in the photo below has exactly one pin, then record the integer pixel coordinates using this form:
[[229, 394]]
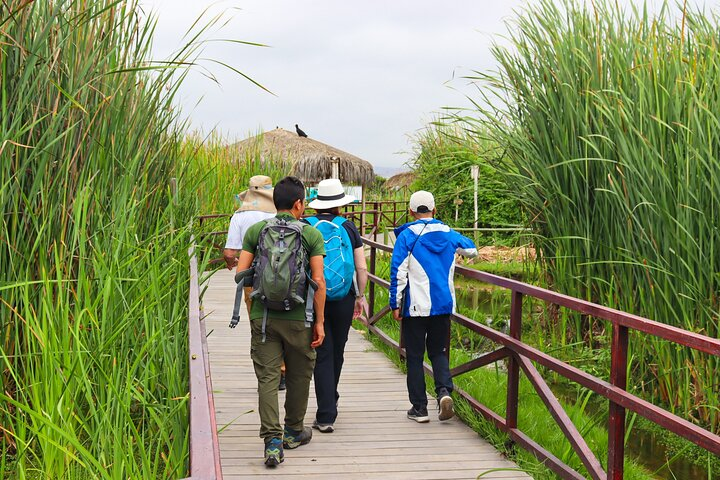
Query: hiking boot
[[323, 427], [293, 439], [274, 452], [419, 414], [282, 385], [445, 405]]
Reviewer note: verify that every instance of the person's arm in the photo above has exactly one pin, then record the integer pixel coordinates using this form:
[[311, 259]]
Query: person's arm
[[245, 261], [464, 246], [362, 277], [234, 242], [230, 257], [398, 275], [316, 272]]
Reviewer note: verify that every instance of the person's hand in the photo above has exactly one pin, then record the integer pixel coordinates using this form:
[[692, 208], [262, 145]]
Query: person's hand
[[318, 334], [396, 314], [361, 308], [231, 263]]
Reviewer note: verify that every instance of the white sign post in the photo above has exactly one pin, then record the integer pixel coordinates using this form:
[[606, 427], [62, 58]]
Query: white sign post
[[474, 172]]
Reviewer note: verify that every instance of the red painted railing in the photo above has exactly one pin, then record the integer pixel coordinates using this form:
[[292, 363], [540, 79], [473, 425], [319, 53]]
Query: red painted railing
[[521, 357], [204, 447]]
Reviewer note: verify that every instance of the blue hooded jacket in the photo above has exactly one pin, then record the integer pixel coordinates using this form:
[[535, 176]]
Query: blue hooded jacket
[[423, 267]]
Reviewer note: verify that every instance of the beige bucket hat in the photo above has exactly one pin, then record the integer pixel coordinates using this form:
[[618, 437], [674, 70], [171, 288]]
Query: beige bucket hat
[[258, 196]]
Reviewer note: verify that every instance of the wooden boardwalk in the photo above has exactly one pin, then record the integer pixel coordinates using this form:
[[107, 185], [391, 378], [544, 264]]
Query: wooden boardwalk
[[373, 438]]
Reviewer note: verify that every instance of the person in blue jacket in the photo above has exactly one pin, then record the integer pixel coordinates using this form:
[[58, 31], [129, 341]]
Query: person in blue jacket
[[422, 296]]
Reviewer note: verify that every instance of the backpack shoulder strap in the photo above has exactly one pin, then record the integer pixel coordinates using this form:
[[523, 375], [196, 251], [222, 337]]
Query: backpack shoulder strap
[[339, 220], [312, 220]]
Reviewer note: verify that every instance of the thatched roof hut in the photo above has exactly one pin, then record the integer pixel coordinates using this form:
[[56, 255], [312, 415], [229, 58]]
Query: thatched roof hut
[[311, 160], [400, 180]]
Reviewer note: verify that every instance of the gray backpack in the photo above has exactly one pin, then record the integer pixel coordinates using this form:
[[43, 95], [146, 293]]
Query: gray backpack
[[281, 264]]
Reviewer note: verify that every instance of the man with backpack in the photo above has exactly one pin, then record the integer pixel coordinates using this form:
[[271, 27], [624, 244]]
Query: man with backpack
[[422, 296], [278, 253], [345, 278]]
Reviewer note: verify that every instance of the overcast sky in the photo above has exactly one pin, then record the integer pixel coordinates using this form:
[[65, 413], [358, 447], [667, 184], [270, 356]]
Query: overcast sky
[[364, 77]]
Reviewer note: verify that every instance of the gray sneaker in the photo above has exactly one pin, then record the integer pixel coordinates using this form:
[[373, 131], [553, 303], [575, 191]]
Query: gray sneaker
[[323, 427]]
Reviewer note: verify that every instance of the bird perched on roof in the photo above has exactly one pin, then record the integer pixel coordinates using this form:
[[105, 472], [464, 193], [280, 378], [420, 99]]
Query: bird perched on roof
[[300, 132]]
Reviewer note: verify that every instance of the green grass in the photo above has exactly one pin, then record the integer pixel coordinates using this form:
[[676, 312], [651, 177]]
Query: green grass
[[517, 270]]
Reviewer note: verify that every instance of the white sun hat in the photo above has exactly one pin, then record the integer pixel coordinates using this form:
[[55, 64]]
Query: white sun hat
[[330, 194]]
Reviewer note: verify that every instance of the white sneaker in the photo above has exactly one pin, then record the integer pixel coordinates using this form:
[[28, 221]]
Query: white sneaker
[[445, 407]]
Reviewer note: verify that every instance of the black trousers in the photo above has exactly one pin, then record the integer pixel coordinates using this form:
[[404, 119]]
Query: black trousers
[[331, 356], [431, 333]]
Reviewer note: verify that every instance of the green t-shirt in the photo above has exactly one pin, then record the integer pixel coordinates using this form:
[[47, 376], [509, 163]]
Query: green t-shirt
[[314, 245]]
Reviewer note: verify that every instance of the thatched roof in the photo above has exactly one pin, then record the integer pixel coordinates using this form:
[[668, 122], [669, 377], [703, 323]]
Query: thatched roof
[[400, 180], [311, 160]]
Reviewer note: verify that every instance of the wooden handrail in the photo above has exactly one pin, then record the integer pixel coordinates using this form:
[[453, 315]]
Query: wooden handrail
[[204, 446], [522, 355]]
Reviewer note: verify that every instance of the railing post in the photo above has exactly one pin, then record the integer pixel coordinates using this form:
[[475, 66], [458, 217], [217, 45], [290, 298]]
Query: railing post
[[616, 419], [371, 302], [513, 379], [375, 223]]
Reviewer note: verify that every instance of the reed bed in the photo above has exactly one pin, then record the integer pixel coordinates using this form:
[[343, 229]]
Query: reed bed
[[609, 119], [93, 250], [224, 170]]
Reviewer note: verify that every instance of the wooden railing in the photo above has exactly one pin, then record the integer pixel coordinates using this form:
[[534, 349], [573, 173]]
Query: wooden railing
[[386, 213], [204, 447], [520, 356]]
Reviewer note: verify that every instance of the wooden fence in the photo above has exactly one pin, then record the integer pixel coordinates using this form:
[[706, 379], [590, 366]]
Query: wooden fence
[[520, 356]]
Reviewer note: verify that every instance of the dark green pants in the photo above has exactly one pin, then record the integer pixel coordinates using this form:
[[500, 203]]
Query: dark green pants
[[287, 340]]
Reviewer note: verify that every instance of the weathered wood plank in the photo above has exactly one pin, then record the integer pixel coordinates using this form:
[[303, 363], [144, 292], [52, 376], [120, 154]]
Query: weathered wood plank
[[373, 438]]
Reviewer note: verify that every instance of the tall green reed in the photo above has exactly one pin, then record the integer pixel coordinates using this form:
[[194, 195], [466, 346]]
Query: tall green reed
[[225, 170], [609, 121], [93, 250]]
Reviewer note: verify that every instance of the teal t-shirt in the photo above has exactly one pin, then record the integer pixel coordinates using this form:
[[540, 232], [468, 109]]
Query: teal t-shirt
[[314, 245]]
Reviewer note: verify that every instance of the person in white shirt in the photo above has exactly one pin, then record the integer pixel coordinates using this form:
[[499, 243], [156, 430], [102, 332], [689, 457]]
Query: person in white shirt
[[257, 205]]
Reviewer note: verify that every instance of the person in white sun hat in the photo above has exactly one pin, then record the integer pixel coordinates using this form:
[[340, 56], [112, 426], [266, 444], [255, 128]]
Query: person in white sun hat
[[345, 279]]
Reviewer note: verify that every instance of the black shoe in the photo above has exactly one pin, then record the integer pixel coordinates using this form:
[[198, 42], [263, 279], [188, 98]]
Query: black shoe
[[274, 452], [445, 405], [293, 439], [282, 385], [420, 415]]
